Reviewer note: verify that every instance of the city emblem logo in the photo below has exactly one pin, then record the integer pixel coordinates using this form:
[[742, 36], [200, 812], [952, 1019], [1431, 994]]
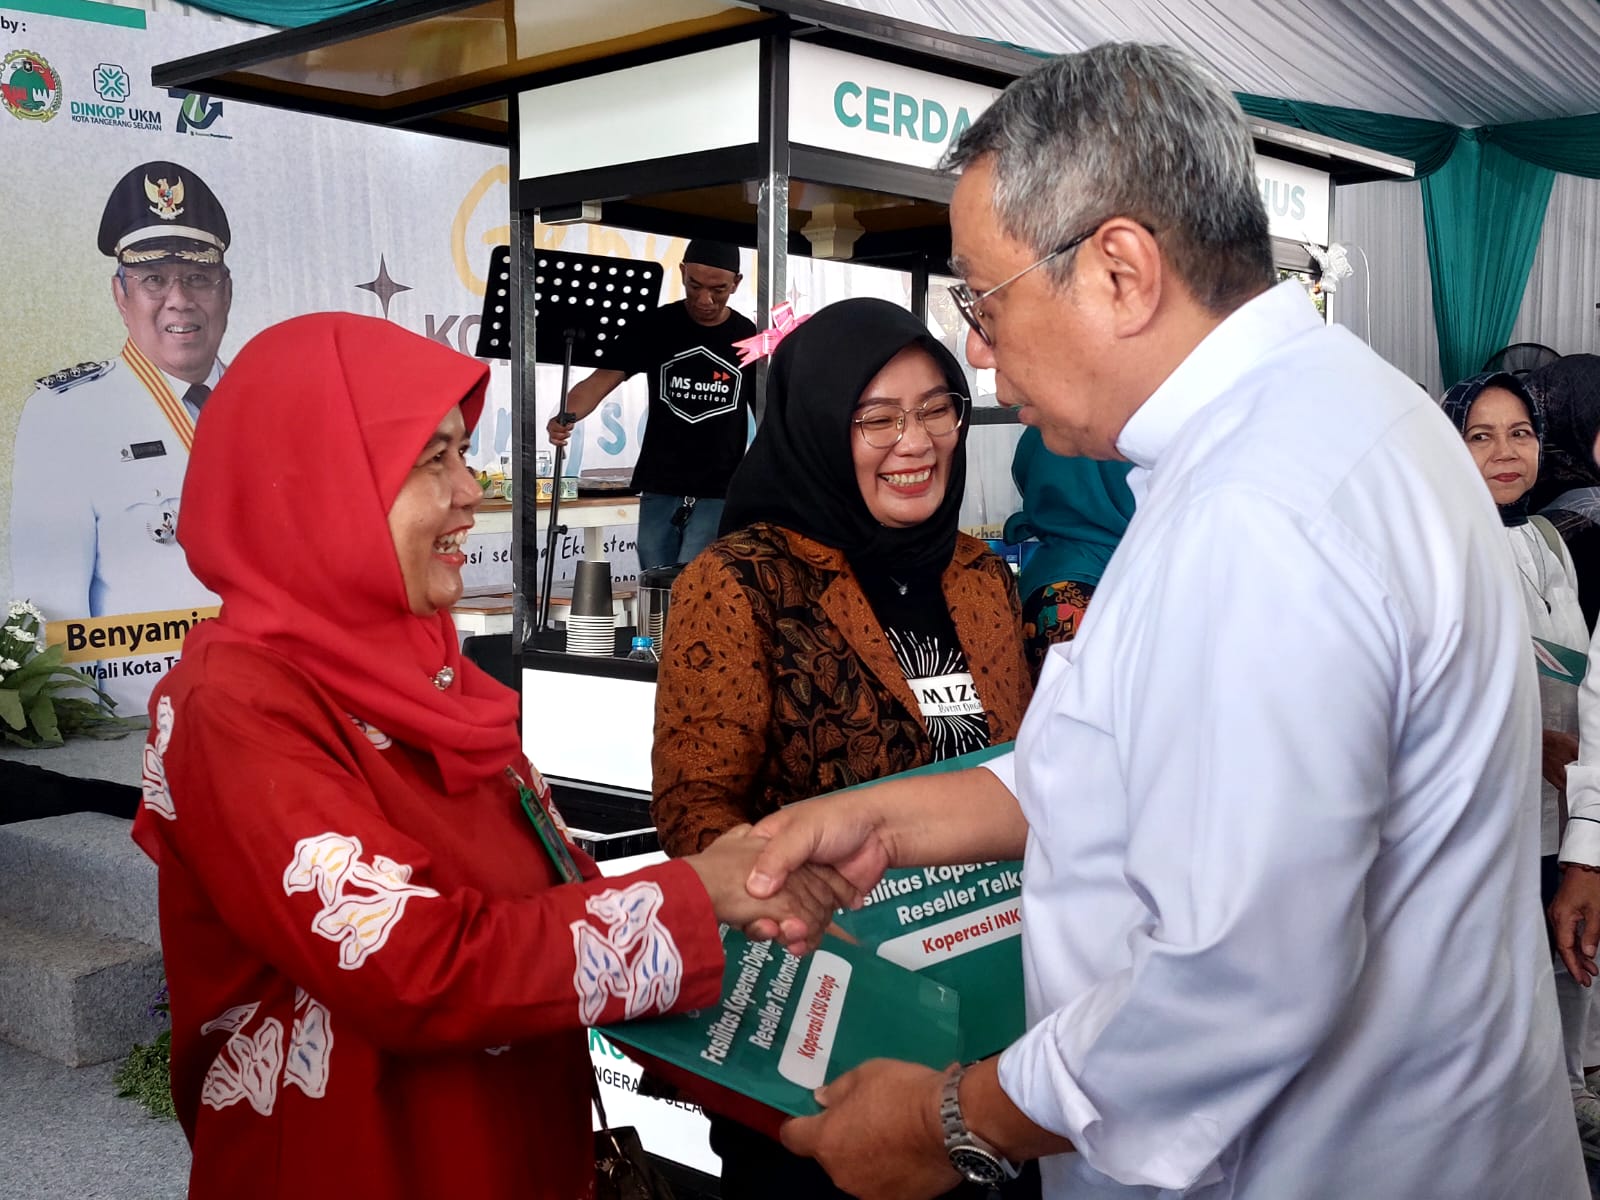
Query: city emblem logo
[[29, 86], [111, 83], [166, 201]]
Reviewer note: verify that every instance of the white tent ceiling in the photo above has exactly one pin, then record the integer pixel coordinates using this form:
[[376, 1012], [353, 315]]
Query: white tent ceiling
[[1468, 62]]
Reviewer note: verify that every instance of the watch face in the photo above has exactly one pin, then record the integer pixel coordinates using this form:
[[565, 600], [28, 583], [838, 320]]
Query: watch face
[[976, 1165]]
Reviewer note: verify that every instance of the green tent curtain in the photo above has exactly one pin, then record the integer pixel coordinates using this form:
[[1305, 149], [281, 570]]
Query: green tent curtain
[[1426, 143], [285, 13], [1484, 194], [1484, 210], [1570, 145]]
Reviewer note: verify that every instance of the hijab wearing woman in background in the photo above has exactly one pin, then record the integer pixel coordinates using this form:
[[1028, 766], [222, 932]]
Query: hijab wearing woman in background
[[1503, 424], [1076, 511], [1568, 491], [380, 946], [842, 628]]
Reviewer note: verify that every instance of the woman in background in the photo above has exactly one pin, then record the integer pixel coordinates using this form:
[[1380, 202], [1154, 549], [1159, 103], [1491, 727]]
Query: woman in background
[[1568, 491], [1077, 510], [842, 628], [1503, 425]]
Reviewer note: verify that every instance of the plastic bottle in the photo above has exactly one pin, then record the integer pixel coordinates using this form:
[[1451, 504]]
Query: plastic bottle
[[644, 650]]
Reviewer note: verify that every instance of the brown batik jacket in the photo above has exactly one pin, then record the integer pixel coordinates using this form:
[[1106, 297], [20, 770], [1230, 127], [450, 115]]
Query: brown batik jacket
[[777, 682]]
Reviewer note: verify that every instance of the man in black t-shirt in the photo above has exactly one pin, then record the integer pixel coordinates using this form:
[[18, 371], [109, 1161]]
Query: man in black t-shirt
[[697, 424]]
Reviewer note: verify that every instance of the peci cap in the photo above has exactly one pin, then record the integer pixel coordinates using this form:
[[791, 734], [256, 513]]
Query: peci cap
[[160, 210], [713, 254]]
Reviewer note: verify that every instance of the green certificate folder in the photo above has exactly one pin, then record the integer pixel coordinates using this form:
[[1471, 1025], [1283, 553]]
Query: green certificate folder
[[934, 976]]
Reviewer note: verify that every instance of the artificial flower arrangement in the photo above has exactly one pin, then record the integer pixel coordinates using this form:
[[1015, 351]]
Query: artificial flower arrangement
[[36, 708]]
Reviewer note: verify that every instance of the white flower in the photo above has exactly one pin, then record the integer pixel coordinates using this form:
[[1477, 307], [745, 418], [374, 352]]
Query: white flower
[[9, 664], [25, 606], [20, 634]]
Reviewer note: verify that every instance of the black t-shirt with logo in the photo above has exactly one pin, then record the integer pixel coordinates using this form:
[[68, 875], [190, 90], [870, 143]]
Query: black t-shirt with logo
[[698, 420], [917, 624]]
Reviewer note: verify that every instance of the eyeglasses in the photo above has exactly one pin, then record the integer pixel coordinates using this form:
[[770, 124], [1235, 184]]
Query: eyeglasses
[[159, 283], [883, 425], [969, 304]]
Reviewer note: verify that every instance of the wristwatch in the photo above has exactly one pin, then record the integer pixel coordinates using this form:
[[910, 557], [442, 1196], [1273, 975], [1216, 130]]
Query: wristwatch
[[976, 1160]]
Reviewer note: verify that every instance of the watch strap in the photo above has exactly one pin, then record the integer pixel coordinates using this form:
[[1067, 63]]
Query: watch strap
[[976, 1159]]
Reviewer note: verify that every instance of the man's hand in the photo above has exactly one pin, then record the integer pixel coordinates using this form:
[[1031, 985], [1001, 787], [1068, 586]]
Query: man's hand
[[956, 817], [799, 911], [1575, 918], [559, 428], [880, 1138], [831, 832]]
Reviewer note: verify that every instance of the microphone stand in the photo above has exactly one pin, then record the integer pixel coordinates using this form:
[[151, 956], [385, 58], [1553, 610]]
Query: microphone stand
[[556, 529]]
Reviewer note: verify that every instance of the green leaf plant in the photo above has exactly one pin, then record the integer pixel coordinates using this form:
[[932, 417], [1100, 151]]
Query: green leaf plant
[[43, 700]]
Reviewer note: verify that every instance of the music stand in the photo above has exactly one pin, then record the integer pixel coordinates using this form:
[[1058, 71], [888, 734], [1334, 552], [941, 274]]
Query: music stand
[[582, 304]]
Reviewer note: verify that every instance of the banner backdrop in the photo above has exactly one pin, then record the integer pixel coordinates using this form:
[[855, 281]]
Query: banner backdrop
[[323, 214]]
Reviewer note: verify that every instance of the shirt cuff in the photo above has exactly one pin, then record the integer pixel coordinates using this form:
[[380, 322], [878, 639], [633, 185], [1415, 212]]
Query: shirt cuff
[[1004, 768], [1581, 844], [1175, 1155]]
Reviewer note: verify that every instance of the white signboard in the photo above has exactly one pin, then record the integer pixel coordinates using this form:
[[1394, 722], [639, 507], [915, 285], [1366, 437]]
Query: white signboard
[[1296, 198], [682, 105], [844, 102]]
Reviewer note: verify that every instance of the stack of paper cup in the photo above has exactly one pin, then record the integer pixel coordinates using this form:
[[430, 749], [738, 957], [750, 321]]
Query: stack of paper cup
[[591, 626]]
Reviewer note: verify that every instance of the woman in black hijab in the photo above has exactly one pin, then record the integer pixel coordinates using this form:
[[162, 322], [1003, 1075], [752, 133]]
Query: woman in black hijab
[[1568, 491], [842, 628]]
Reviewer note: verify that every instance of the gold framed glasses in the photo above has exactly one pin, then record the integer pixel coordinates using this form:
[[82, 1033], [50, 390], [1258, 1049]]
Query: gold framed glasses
[[196, 281], [970, 304], [883, 425]]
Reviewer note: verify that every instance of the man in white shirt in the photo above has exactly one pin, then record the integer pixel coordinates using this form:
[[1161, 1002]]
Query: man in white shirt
[[1280, 931]]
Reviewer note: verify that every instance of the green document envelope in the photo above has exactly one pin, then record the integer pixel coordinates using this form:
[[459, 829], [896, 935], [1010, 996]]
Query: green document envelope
[[935, 977], [787, 1025]]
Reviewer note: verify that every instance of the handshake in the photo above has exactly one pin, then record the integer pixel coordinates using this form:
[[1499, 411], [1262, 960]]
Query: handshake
[[771, 880]]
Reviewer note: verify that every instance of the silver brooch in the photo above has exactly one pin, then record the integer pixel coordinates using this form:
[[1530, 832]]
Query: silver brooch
[[444, 679]]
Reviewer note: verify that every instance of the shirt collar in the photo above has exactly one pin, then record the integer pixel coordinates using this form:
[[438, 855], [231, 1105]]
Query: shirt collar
[[1247, 335], [180, 386]]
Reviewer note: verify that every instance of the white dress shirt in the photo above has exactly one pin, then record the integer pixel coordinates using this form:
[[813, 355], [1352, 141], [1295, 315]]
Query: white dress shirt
[[1549, 585], [1281, 930], [1581, 843], [95, 489]]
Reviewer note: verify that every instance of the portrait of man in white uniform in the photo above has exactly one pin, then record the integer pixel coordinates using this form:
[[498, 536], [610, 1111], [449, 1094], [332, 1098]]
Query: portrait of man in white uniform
[[107, 544]]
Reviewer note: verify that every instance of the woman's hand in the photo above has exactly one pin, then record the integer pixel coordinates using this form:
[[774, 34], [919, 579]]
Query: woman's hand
[[1560, 750], [798, 912]]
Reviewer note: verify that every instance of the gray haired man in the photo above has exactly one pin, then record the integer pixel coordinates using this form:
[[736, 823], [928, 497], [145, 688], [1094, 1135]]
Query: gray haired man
[[1276, 803]]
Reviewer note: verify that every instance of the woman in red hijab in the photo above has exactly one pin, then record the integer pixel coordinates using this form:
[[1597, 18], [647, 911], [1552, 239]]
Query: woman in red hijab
[[378, 971]]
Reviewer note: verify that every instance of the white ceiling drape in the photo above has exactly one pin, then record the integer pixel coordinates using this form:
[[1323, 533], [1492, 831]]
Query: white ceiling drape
[[1380, 225], [1559, 307], [1467, 62]]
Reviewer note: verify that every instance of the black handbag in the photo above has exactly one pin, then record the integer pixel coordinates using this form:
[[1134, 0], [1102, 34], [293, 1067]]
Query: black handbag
[[623, 1170]]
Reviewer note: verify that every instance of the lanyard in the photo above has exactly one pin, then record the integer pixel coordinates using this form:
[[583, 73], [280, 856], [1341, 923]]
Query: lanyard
[[555, 846]]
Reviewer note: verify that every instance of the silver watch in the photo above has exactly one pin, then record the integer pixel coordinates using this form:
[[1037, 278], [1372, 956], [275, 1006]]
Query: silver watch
[[976, 1160]]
